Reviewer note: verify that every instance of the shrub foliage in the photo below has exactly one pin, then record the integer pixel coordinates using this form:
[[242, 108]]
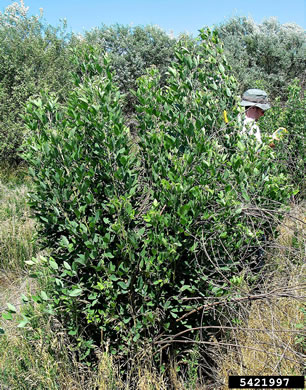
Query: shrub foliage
[[141, 225], [33, 56], [290, 151]]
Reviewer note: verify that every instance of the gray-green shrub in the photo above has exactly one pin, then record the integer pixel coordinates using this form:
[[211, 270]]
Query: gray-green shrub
[[267, 55], [132, 50], [33, 56]]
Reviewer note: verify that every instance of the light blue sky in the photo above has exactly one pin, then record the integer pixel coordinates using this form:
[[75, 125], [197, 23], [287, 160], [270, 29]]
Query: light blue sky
[[171, 15]]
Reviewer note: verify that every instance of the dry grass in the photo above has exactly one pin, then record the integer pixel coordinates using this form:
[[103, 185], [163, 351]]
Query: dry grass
[[141, 374], [11, 290], [16, 229], [41, 359], [271, 339]]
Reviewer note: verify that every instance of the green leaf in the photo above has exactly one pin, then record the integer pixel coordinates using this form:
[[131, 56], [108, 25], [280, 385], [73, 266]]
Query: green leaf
[[141, 231], [136, 337], [53, 264], [225, 268], [30, 262], [245, 195], [83, 227], [67, 266], [7, 316], [23, 323], [75, 293], [11, 308], [109, 255], [81, 259], [221, 68], [64, 241], [123, 285], [44, 296], [172, 71], [24, 298], [194, 247], [186, 287], [300, 326], [241, 146]]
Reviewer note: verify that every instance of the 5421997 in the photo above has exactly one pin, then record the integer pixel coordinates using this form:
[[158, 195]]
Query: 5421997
[[266, 382]]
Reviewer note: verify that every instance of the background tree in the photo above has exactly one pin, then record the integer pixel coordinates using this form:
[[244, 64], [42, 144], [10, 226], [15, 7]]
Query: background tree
[[132, 50], [33, 56], [267, 55]]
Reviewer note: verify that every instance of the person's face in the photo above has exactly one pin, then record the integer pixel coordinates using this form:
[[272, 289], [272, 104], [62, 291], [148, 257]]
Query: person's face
[[254, 112]]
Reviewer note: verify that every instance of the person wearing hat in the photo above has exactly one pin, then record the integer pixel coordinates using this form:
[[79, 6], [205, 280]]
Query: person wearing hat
[[256, 103]]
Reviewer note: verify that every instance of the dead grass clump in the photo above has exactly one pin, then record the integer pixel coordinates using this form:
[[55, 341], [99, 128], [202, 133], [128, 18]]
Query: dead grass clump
[[138, 374], [108, 376], [149, 380]]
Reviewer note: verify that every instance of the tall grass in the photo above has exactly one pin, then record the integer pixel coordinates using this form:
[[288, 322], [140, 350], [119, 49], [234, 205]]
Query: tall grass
[[16, 226], [41, 359]]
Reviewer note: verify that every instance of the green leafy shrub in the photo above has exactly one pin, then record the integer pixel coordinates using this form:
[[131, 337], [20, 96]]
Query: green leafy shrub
[[290, 150], [81, 155], [141, 226]]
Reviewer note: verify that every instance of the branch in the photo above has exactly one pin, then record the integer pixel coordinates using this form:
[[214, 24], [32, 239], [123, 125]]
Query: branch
[[225, 344], [273, 293]]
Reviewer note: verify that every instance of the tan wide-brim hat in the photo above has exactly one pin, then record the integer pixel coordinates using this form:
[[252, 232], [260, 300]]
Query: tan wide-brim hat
[[257, 98]]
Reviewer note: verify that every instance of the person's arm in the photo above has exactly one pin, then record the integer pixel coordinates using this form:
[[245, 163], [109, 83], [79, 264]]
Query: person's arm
[[278, 135]]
